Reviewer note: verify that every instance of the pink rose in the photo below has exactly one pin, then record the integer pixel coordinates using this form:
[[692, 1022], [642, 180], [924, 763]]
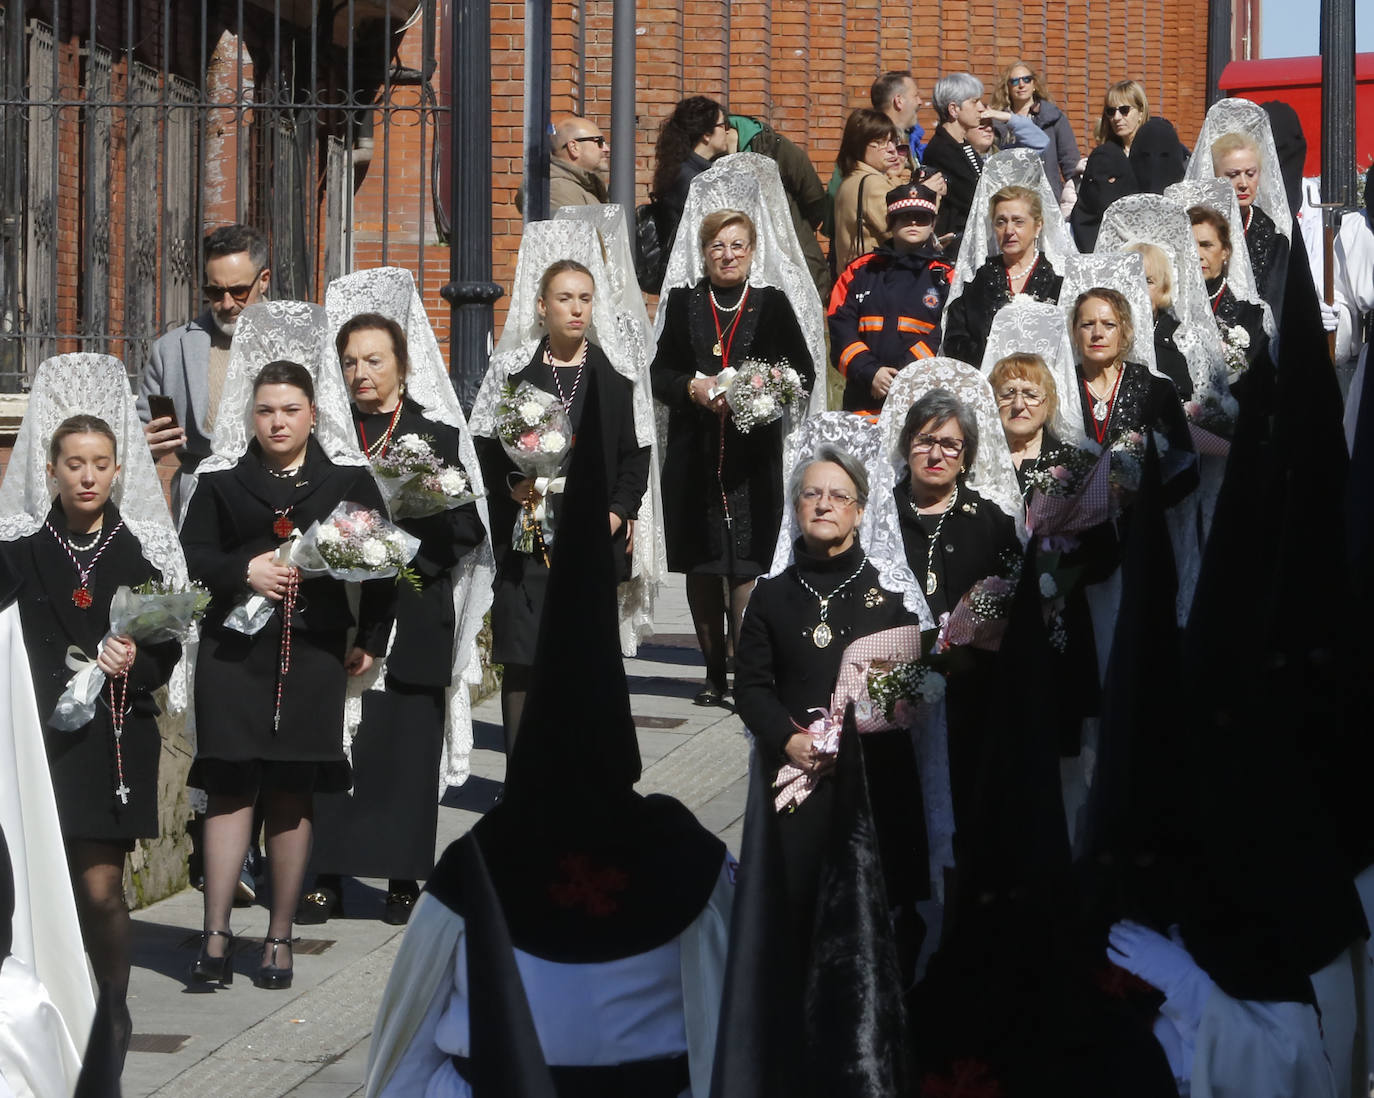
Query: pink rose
[[756, 381], [996, 585], [777, 374], [529, 441], [1192, 409], [1061, 473]]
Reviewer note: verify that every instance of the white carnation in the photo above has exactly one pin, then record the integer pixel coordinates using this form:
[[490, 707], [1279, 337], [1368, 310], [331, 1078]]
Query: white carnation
[[552, 442], [1048, 588], [764, 406], [374, 554], [933, 688], [452, 482], [413, 443], [328, 535], [531, 413]]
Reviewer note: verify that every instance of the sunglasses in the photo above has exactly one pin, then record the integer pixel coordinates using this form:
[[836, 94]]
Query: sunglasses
[[238, 293], [1017, 81], [1123, 110], [598, 140]]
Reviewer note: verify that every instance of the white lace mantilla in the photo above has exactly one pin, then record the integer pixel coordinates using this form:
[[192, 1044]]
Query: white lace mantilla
[[993, 475], [1027, 326], [1216, 194], [1163, 222], [1243, 116], [879, 532], [1125, 273], [1011, 167], [750, 183], [391, 292], [97, 385], [619, 335]]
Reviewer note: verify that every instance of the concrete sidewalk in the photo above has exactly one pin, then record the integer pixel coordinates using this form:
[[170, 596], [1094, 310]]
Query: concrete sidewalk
[[311, 1041]]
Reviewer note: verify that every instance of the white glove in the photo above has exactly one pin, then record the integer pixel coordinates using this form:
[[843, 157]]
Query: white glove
[[1331, 316], [1166, 965]]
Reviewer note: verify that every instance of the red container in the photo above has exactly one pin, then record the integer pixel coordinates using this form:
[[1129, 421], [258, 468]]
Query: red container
[[1298, 82]]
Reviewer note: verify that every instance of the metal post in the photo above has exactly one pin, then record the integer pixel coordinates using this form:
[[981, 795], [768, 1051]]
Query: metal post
[[1219, 21], [1338, 102], [471, 291], [538, 89], [623, 105]]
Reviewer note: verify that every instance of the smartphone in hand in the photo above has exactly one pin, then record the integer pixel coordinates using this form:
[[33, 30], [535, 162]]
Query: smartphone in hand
[[162, 407]]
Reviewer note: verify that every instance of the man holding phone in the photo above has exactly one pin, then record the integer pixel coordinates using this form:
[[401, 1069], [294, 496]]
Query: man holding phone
[[178, 395]]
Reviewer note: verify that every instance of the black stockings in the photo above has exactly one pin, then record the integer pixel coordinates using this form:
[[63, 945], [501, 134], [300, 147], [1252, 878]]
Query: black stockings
[[706, 600], [97, 871]]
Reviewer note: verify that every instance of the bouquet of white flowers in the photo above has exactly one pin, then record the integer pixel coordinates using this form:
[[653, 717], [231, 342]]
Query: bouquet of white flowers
[[151, 613], [533, 428], [356, 543], [416, 482], [760, 392], [1236, 342]]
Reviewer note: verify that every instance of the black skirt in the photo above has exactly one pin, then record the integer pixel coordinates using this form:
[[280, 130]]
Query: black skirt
[[386, 826]]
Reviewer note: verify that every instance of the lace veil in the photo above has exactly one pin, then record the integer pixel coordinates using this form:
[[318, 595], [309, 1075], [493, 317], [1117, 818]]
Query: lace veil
[[750, 182], [618, 336], [270, 330], [97, 385], [1242, 116], [1163, 222], [1125, 273], [1011, 167], [879, 532], [391, 291], [993, 475], [618, 255], [1217, 194], [1027, 326]]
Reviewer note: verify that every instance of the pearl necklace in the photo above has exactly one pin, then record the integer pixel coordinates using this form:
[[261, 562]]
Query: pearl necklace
[[1014, 272], [822, 635], [1216, 297], [711, 290]]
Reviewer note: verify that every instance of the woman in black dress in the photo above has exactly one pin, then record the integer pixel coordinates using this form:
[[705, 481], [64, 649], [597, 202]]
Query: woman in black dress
[[1018, 216], [568, 365], [104, 774], [1236, 158], [386, 826], [722, 488], [269, 706], [1026, 401], [798, 626]]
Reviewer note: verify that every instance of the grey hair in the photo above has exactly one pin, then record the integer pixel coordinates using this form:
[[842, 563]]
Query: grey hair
[[940, 405], [952, 90], [826, 452]]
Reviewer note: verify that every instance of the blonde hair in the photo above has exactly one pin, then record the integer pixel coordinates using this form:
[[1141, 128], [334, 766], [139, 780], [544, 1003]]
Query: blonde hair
[[1119, 94], [1026, 367], [1228, 143], [717, 220], [1157, 264], [1001, 94], [1017, 193]]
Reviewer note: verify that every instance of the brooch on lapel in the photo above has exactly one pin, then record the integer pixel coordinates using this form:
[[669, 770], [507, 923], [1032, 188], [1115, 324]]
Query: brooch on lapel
[[873, 597], [970, 508]]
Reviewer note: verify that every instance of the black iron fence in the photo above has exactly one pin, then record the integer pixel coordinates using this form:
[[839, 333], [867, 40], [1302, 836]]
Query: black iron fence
[[129, 128]]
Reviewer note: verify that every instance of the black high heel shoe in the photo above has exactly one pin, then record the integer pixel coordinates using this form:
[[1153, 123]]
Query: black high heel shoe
[[214, 970], [271, 977]]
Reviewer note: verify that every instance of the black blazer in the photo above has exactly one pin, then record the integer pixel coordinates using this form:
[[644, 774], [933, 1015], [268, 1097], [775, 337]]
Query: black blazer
[[229, 522], [422, 650], [949, 157]]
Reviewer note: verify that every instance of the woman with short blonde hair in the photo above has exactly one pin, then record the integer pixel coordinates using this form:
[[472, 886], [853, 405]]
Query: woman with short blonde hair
[[1125, 108]]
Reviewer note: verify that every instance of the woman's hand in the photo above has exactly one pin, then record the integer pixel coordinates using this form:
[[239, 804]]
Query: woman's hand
[[801, 753], [700, 390], [268, 577], [990, 115], [116, 655], [523, 491], [357, 662], [616, 523], [936, 182]]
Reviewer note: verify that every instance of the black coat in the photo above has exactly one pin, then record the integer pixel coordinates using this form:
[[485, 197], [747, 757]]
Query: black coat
[[1256, 385], [521, 578], [1171, 360], [951, 159], [780, 676], [885, 310], [82, 763], [228, 523], [968, 321], [422, 649], [1268, 250], [668, 207], [693, 515]]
